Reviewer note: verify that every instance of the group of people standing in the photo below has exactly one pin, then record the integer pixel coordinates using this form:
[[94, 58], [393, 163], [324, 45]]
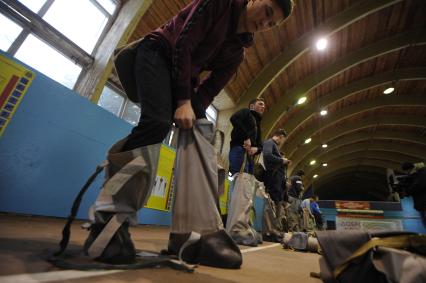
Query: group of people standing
[[284, 196]]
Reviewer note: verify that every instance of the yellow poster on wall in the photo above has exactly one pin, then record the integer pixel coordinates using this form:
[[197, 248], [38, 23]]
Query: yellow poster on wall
[[14, 82], [223, 199], [162, 189]]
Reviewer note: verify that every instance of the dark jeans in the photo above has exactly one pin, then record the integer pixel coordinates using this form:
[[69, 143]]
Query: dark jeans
[[153, 76], [236, 159]]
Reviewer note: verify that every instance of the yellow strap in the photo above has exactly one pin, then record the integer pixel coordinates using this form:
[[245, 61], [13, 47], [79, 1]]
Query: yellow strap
[[397, 242]]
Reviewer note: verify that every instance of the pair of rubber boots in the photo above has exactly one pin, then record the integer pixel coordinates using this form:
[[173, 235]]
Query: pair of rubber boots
[[215, 249]]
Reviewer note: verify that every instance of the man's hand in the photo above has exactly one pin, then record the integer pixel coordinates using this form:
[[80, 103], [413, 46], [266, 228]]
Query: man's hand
[[184, 115], [252, 150], [247, 144], [286, 161]]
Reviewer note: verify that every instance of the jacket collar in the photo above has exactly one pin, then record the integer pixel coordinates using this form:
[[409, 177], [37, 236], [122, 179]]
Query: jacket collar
[[256, 115], [246, 38]]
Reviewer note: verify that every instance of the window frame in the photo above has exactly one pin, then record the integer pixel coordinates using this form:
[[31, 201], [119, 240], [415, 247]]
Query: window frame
[[33, 23]]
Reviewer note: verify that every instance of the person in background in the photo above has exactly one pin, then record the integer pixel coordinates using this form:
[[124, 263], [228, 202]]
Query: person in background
[[275, 182], [295, 193], [246, 136], [316, 212]]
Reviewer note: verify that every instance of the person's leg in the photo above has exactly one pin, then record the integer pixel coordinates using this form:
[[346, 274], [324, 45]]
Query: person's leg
[[132, 162], [153, 80], [236, 159]]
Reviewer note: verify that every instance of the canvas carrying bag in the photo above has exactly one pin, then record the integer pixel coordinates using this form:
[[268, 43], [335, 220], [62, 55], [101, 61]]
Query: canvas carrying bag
[[238, 223], [196, 213], [381, 257]]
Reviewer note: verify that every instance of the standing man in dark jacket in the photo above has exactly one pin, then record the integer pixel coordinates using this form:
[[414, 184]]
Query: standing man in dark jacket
[[275, 182], [206, 35], [275, 165], [246, 136]]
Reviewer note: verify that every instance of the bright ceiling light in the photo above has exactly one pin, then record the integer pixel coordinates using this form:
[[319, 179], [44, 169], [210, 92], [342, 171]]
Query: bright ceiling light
[[324, 145], [321, 44], [312, 162], [324, 164], [308, 140], [388, 90], [315, 176], [301, 100], [323, 112]]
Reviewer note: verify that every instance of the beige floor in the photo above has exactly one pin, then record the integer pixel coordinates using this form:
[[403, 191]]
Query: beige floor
[[25, 241]]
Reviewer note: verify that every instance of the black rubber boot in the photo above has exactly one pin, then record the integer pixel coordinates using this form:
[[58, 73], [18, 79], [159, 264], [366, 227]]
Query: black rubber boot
[[120, 250], [215, 249]]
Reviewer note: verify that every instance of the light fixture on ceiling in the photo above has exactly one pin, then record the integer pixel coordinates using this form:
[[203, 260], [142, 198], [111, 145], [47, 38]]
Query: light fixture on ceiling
[[323, 112], [389, 90], [312, 162], [321, 44], [315, 176], [324, 145], [324, 164], [301, 100], [308, 140]]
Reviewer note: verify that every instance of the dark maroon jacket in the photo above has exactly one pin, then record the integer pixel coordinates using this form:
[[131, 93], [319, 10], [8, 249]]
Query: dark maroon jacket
[[203, 37]]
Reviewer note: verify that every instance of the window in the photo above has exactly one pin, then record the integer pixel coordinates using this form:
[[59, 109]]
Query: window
[[48, 61], [111, 101], [33, 5], [115, 102], [79, 20], [131, 112], [9, 32], [33, 39], [211, 114]]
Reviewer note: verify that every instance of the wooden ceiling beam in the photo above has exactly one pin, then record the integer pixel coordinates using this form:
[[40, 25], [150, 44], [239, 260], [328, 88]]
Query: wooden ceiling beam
[[332, 133], [386, 151], [352, 88], [356, 137], [289, 98], [294, 142], [354, 162], [304, 43], [374, 172]]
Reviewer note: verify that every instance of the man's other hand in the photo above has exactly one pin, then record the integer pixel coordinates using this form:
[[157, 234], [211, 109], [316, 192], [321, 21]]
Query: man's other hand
[[184, 115]]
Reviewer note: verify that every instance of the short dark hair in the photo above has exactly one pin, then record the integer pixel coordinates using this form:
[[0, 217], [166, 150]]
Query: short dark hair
[[254, 100], [280, 132], [300, 172], [407, 166], [286, 6]]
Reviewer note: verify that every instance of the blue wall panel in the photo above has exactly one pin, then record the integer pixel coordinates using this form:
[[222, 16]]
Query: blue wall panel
[[51, 146]]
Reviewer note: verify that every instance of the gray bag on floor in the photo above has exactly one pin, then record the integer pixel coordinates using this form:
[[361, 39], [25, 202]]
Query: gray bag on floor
[[197, 233], [300, 241], [238, 224], [385, 257]]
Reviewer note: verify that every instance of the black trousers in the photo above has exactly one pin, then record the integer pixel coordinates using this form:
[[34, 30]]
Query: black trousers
[[153, 77]]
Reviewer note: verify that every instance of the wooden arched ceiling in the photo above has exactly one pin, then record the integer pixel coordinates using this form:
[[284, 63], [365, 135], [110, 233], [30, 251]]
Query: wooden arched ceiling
[[383, 151], [372, 45], [362, 120], [369, 135]]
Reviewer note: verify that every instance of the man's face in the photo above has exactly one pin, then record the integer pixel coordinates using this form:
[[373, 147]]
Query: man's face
[[263, 15], [258, 106], [281, 139]]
